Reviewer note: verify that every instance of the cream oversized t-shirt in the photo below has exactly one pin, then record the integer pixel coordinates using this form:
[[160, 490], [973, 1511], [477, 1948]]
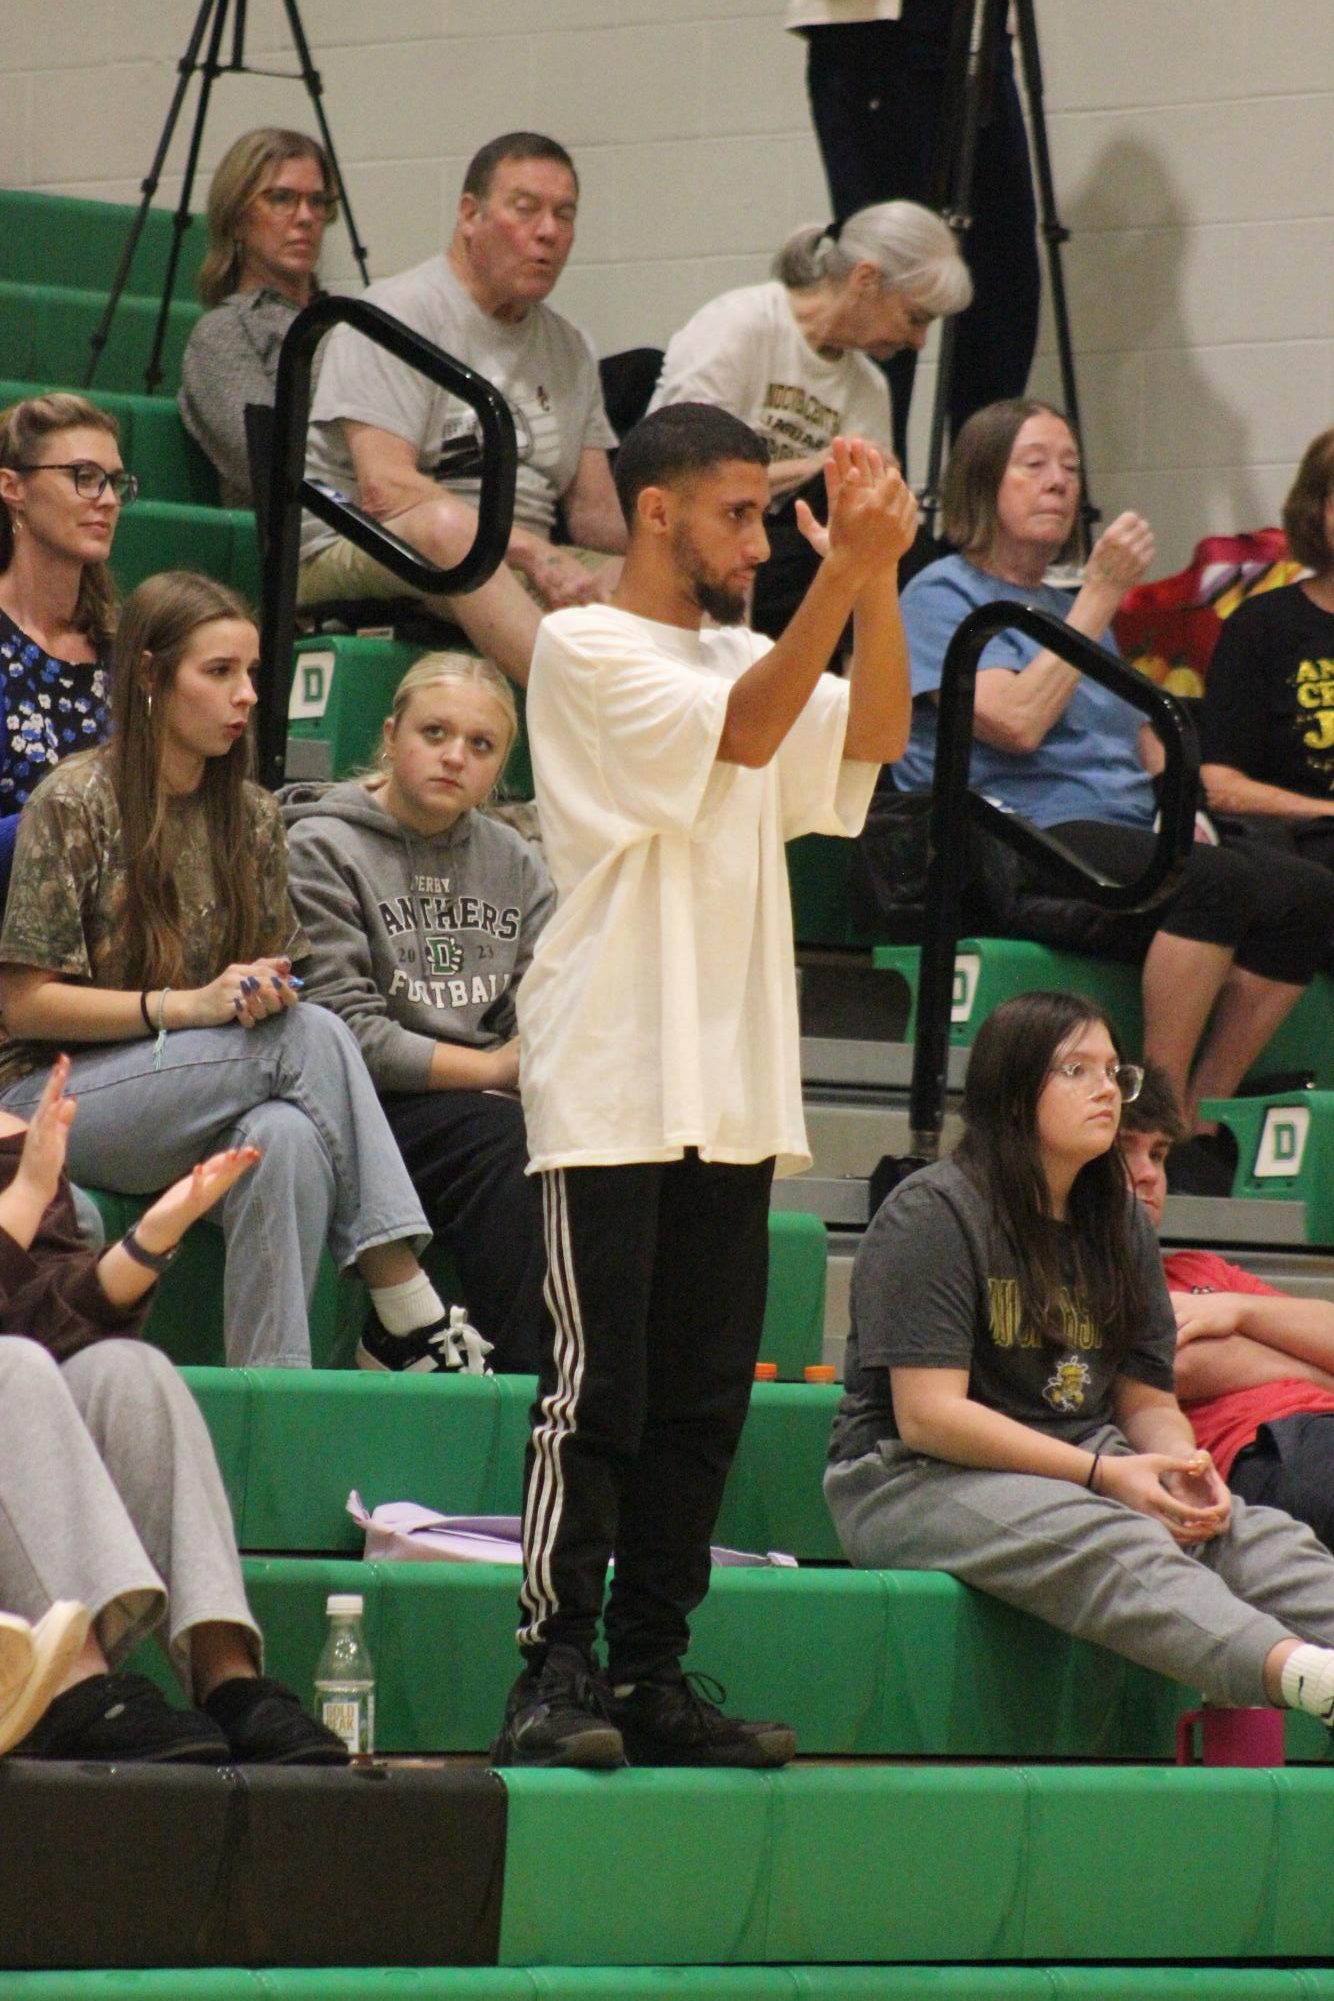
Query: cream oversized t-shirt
[[660, 1009]]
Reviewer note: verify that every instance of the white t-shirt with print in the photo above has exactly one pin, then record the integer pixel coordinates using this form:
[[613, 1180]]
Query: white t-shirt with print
[[745, 352], [660, 1008], [542, 365]]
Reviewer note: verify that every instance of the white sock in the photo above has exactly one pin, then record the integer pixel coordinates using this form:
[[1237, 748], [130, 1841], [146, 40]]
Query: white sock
[[1307, 1681], [402, 1309]]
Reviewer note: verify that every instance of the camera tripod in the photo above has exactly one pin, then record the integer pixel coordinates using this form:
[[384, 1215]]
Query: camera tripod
[[211, 21], [976, 41]]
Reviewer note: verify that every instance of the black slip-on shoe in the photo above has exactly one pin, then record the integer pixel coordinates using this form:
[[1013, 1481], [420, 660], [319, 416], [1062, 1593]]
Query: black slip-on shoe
[[124, 1719]]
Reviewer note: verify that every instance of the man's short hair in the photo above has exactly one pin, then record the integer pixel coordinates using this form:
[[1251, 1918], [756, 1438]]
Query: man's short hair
[[1155, 1110], [513, 146], [678, 443]]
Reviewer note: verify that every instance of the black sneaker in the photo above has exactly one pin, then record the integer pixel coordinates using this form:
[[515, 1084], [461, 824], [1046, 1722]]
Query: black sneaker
[[446, 1346], [124, 1719], [557, 1715], [666, 1719], [264, 1724]]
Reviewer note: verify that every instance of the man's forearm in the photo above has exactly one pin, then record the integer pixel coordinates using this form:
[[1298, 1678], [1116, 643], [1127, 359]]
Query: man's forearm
[[766, 700], [594, 525], [1303, 1328]]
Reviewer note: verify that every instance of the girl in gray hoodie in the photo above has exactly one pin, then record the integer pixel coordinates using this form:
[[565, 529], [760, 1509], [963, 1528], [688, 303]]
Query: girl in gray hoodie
[[422, 914]]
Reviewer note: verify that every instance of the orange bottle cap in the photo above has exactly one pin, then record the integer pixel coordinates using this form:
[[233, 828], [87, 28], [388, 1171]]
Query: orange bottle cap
[[820, 1372], [766, 1372]]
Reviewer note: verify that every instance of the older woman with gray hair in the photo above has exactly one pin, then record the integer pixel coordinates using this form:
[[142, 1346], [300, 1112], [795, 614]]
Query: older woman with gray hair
[[795, 358]]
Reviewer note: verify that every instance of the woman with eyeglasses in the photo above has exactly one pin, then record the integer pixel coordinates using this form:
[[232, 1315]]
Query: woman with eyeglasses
[[62, 485], [271, 200], [1008, 1412]]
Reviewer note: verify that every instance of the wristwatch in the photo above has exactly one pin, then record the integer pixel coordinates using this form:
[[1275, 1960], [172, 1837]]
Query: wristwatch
[[154, 1261]]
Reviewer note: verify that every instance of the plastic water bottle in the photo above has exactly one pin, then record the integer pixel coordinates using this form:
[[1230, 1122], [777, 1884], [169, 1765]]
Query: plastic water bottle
[[345, 1679]]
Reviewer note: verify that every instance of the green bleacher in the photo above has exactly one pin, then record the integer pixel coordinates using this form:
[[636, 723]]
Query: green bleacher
[[983, 1808]]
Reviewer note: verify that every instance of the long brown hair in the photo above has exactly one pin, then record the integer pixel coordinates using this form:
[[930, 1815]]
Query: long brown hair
[[237, 180], [1008, 1069], [159, 619], [23, 429]]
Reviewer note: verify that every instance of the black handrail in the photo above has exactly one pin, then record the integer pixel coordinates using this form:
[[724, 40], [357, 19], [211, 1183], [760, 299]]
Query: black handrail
[[289, 491], [953, 804]]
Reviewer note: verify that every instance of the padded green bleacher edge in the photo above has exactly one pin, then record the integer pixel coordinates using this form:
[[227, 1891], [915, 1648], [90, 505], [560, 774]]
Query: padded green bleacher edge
[[921, 1667], [67, 239], [158, 535], [291, 1443], [683, 1983], [1292, 1131], [990, 970], [916, 1863], [45, 331]]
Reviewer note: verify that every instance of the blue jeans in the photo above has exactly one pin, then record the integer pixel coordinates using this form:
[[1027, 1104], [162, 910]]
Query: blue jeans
[[330, 1169]]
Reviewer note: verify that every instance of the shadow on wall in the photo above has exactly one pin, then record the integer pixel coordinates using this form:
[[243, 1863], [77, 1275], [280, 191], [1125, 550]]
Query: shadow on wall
[[1161, 434]]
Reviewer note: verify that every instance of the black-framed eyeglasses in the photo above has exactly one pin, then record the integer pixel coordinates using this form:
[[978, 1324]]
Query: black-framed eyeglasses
[[286, 201], [90, 480], [1127, 1078]]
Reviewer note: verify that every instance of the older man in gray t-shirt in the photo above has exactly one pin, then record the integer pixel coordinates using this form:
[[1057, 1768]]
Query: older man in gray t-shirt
[[409, 452]]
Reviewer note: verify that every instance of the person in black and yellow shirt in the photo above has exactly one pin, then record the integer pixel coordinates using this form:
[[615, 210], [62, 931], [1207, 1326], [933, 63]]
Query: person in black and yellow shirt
[[1267, 736]]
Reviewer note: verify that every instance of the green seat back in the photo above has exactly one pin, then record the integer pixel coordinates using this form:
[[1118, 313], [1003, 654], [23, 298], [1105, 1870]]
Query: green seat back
[[158, 535], [45, 332], [65, 240]]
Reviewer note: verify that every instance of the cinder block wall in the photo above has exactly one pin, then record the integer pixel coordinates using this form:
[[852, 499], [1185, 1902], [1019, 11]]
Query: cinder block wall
[[1191, 142]]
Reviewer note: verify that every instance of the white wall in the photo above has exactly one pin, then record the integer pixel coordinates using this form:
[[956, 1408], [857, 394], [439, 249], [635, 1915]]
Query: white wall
[[1191, 142]]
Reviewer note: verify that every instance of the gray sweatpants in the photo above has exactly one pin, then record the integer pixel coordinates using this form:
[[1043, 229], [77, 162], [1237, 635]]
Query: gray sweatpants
[[1208, 1616], [110, 1494], [330, 1169]]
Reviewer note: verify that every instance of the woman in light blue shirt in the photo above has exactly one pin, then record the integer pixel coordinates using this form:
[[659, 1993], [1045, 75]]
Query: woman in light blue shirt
[[1227, 956]]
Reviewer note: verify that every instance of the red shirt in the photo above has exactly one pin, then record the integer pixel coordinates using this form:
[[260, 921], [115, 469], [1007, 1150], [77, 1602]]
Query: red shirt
[[1225, 1425]]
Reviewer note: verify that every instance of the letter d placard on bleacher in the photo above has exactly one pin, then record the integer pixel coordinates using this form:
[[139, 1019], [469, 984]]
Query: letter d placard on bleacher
[[1282, 1142], [967, 971], [310, 687]]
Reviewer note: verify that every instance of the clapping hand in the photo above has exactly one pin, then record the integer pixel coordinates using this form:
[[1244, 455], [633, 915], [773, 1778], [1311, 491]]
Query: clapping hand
[[166, 1221], [47, 1137], [872, 513]]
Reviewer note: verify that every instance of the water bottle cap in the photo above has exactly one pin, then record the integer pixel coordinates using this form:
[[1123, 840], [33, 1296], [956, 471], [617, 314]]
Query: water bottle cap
[[346, 1602]]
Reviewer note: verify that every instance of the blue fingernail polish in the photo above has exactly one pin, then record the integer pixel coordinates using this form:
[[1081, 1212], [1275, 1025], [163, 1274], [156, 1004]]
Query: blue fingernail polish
[[293, 981]]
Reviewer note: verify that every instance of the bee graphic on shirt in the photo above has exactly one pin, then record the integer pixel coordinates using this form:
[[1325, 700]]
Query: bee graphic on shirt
[[1067, 1384]]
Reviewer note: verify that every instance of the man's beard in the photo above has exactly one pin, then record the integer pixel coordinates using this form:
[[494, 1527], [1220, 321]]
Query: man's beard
[[715, 600]]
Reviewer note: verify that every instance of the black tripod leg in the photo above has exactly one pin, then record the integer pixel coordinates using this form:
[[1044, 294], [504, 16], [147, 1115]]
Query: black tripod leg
[[973, 69], [182, 219], [148, 187], [310, 76], [1054, 235]]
